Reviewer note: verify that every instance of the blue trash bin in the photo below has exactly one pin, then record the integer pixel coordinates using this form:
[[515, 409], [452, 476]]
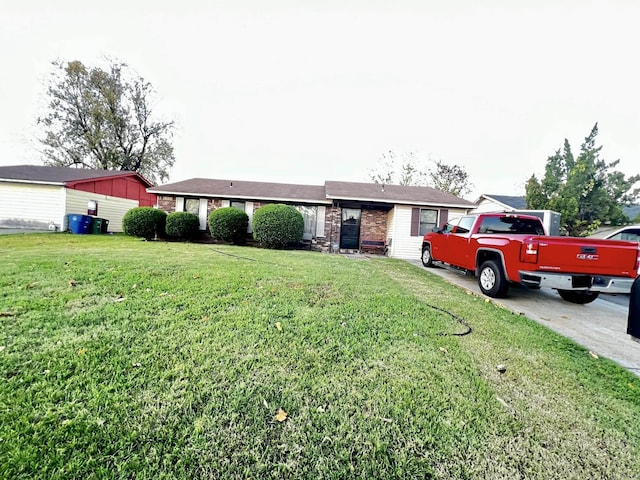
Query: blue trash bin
[[79, 224]]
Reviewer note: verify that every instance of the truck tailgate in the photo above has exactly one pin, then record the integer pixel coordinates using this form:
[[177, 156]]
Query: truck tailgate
[[587, 255]]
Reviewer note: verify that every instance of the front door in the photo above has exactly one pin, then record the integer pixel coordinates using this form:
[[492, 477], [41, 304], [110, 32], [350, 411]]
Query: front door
[[350, 230]]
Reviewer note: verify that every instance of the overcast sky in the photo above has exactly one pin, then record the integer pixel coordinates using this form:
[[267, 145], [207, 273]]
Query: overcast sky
[[307, 91]]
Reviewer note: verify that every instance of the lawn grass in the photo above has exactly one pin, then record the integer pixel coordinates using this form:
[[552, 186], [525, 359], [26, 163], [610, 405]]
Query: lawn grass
[[128, 359]]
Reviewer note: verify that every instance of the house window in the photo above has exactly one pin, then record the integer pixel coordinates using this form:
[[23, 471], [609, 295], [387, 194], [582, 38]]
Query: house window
[[192, 205], [428, 220], [310, 215], [238, 205]]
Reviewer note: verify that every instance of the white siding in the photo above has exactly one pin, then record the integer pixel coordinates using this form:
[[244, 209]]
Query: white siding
[[487, 205], [390, 230], [111, 208], [404, 245], [31, 206]]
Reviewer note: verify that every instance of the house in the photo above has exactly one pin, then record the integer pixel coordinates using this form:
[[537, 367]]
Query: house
[[40, 198], [337, 215]]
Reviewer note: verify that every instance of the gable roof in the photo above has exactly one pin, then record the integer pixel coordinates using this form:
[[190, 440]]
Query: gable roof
[[507, 201], [323, 194], [244, 190], [60, 175]]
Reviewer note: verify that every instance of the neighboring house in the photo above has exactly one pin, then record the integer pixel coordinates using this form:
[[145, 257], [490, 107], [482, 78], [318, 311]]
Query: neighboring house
[[507, 203], [500, 203], [40, 198], [337, 215]]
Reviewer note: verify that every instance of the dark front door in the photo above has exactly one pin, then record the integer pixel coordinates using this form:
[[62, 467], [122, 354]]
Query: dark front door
[[350, 230]]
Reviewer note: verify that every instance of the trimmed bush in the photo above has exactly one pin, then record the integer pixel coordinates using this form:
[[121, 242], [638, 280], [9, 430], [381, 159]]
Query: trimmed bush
[[229, 224], [144, 222], [277, 225], [182, 225]]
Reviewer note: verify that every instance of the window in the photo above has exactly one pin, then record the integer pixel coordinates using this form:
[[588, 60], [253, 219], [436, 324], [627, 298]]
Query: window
[[192, 205], [238, 205], [629, 234], [509, 225], [428, 220], [310, 215], [465, 225]]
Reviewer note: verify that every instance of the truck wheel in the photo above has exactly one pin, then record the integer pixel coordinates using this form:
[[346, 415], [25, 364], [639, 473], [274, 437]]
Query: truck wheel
[[581, 297], [427, 259], [491, 279]]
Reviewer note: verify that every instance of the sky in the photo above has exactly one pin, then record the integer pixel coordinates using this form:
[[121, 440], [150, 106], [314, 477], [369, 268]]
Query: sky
[[308, 91]]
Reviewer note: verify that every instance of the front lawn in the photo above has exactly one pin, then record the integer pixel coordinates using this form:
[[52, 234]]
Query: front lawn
[[128, 359]]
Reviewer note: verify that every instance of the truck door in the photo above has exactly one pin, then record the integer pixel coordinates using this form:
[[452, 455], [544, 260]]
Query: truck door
[[458, 247]]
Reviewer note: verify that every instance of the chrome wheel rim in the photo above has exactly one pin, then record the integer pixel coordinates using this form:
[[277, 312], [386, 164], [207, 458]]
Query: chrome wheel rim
[[426, 255]]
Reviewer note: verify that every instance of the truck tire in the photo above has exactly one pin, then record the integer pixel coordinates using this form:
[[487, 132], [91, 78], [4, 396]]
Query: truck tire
[[491, 279], [427, 259], [581, 297]]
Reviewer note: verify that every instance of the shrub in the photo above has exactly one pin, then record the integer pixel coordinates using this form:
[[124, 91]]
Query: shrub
[[229, 224], [277, 225], [182, 225], [145, 222]]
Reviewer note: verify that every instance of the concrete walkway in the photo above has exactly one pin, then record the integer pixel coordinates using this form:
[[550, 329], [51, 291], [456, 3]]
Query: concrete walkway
[[601, 326]]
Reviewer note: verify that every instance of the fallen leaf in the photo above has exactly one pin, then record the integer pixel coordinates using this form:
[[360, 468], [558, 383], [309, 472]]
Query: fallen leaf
[[593, 354], [631, 385], [2, 347], [120, 299], [501, 368], [134, 286], [82, 351], [444, 350], [205, 318], [279, 326], [196, 276], [72, 283], [386, 420], [264, 402], [281, 416], [163, 294]]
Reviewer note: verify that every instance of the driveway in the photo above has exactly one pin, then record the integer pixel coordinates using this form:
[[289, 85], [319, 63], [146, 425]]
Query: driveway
[[601, 326]]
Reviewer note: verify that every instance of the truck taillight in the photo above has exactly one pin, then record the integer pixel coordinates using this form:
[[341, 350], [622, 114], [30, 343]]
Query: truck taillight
[[529, 251]]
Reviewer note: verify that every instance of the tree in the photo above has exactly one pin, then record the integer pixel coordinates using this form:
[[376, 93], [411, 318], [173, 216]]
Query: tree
[[103, 119], [398, 170], [405, 170], [584, 190], [452, 179]]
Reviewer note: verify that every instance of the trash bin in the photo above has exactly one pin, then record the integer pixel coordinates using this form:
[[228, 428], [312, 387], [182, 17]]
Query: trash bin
[[79, 224], [99, 225], [633, 323]]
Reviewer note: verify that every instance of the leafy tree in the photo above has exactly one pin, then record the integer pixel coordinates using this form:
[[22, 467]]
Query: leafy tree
[[583, 189], [406, 170], [102, 118]]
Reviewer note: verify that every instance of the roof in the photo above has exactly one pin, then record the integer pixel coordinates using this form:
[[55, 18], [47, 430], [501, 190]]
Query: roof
[[244, 190], [516, 203], [326, 193], [60, 175], [393, 194]]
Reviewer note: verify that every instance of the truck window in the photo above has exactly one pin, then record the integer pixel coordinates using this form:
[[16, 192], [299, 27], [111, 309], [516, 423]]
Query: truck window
[[448, 228], [510, 225], [465, 225]]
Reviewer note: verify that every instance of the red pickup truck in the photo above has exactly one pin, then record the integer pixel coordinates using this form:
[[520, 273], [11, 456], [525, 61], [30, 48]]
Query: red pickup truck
[[502, 248]]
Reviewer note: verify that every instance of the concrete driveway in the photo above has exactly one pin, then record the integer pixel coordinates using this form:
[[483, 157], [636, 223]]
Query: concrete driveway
[[600, 326]]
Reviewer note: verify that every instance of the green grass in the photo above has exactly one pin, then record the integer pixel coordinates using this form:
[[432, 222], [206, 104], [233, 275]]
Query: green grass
[[128, 359]]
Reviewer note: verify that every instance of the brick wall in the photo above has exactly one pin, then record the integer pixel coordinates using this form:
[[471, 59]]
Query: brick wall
[[167, 203], [373, 225]]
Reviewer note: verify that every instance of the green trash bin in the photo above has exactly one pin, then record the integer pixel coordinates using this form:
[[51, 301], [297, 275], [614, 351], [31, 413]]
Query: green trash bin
[[99, 225]]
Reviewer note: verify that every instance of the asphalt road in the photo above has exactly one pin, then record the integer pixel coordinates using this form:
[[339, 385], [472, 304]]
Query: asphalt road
[[600, 326]]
